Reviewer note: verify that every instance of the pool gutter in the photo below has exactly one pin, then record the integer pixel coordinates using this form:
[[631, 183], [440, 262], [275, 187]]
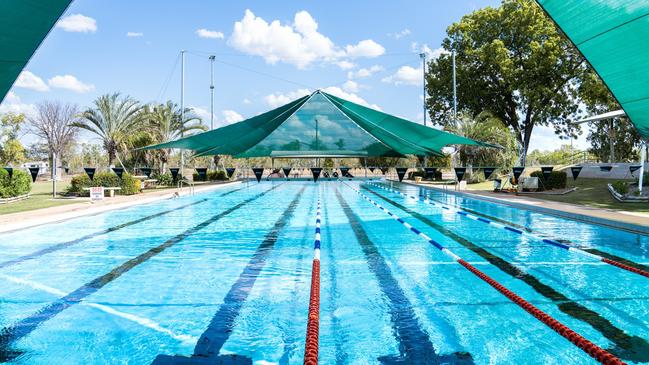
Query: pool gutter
[[582, 217], [23, 220]]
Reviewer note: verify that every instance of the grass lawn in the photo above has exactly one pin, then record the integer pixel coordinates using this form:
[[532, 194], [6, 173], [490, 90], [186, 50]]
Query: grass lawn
[[590, 192], [41, 197]]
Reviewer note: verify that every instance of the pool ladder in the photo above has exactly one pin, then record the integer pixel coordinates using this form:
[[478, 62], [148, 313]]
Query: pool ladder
[[189, 184]]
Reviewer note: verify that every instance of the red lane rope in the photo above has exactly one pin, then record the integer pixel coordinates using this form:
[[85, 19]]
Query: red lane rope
[[590, 348], [626, 267], [578, 340], [313, 323], [313, 326]]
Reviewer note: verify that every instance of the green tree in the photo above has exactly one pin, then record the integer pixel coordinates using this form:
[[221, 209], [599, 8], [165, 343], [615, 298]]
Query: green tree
[[513, 63], [487, 128], [113, 118], [166, 124], [11, 150], [626, 139]]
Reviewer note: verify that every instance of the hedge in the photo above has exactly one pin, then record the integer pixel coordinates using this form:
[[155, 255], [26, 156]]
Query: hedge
[[622, 187], [19, 184], [212, 176], [128, 184], [557, 180]]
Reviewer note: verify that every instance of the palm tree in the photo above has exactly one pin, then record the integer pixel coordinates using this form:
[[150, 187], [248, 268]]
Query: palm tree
[[113, 118], [166, 124]]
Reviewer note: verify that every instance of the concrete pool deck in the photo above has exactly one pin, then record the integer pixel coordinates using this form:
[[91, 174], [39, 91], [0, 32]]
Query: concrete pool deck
[[31, 218], [630, 221]]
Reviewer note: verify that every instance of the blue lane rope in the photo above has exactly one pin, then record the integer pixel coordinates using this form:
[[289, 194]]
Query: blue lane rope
[[517, 231]]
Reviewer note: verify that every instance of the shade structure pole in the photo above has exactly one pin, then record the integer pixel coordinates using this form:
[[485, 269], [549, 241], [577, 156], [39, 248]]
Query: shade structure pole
[[365, 163], [182, 107], [643, 158], [423, 68], [212, 92], [454, 88]]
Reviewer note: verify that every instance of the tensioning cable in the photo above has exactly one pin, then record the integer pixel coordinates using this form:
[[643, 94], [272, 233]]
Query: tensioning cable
[[578, 340], [520, 232], [313, 324]]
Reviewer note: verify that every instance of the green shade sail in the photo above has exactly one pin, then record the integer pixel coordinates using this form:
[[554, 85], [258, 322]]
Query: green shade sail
[[612, 35], [320, 125], [23, 26]]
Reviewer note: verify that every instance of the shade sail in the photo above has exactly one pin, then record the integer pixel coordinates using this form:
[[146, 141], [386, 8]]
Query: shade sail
[[320, 125], [23, 26], [612, 36]]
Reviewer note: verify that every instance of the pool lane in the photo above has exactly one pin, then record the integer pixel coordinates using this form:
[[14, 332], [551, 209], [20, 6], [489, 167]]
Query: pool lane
[[415, 346], [9, 335], [626, 346], [221, 326]]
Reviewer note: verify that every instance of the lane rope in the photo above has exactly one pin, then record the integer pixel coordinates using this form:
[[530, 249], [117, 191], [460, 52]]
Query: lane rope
[[313, 324], [518, 231], [578, 340]]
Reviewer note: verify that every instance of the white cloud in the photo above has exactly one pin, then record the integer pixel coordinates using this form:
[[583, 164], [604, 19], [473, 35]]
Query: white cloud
[[299, 44], [246, 101], [275, 100], [400, 34], [364, 72], [350, 86], [365, 48], [230, 116], [202, 113], [70, 82], [77, 23], [336, 91], [406, 75], [345, 65], [431, 54], [13, 104], [206, 33], [134, 34], [30, 81]]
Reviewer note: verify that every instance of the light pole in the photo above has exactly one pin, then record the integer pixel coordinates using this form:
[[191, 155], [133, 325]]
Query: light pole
[[454, 88], [212, 92], [423, 68], [182, 106]]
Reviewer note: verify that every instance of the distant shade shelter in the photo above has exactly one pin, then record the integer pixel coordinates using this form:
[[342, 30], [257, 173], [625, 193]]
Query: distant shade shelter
[[612, 36], [321, 125]]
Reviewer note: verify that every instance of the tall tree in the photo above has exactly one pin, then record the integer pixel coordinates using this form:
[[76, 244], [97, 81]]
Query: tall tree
[[167, 124], [54, 124], [113, 118], [512, 62]]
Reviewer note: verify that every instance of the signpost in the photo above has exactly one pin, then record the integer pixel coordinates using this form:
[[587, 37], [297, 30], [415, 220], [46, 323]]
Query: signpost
[[96, 193]]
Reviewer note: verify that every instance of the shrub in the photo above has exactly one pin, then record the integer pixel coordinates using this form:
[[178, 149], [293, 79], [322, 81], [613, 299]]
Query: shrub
[[217, 175], [557, 180], [645, 179], [19, 184], [128, 184], [622, 187], [413, 174], [164, 179]]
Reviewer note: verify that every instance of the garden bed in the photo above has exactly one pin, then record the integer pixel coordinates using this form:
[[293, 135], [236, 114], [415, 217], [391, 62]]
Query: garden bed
[[627, 198]]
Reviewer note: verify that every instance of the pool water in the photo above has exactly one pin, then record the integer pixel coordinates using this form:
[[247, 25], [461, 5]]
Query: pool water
[[225, 276]]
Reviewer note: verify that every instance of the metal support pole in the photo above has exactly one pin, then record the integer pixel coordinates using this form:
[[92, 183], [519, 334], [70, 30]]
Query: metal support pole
[[454, 88], [212, 92], [423, 68], [643, 158], [611, 141], [182, 106], [53, 170]]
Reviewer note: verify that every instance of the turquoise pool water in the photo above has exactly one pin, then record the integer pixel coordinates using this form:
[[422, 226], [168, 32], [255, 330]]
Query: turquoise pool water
[[148, 284]]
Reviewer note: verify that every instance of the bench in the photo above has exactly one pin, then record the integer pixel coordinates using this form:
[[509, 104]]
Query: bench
[[111, 190]]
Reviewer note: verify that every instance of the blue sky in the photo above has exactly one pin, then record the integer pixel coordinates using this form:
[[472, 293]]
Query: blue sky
[[267, 53]]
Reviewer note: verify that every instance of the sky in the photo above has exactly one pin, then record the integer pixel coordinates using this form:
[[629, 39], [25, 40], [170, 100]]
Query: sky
[[266, 54]]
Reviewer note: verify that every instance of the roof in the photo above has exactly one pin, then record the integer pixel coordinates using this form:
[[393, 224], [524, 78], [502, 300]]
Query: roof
[[24, 25], [320, 125], [612, 36]]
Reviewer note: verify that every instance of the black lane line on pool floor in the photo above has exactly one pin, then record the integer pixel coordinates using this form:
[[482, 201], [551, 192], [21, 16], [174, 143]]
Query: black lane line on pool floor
[[11, 334], [595, 251], [415, 346], [627, 347], [222, 324], [62, 245]]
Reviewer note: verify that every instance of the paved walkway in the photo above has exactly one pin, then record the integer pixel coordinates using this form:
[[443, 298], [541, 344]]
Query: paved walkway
[[21, 220], [616, 218]]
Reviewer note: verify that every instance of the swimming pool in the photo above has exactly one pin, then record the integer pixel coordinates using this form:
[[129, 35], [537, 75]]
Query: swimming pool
[[225, 276]]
